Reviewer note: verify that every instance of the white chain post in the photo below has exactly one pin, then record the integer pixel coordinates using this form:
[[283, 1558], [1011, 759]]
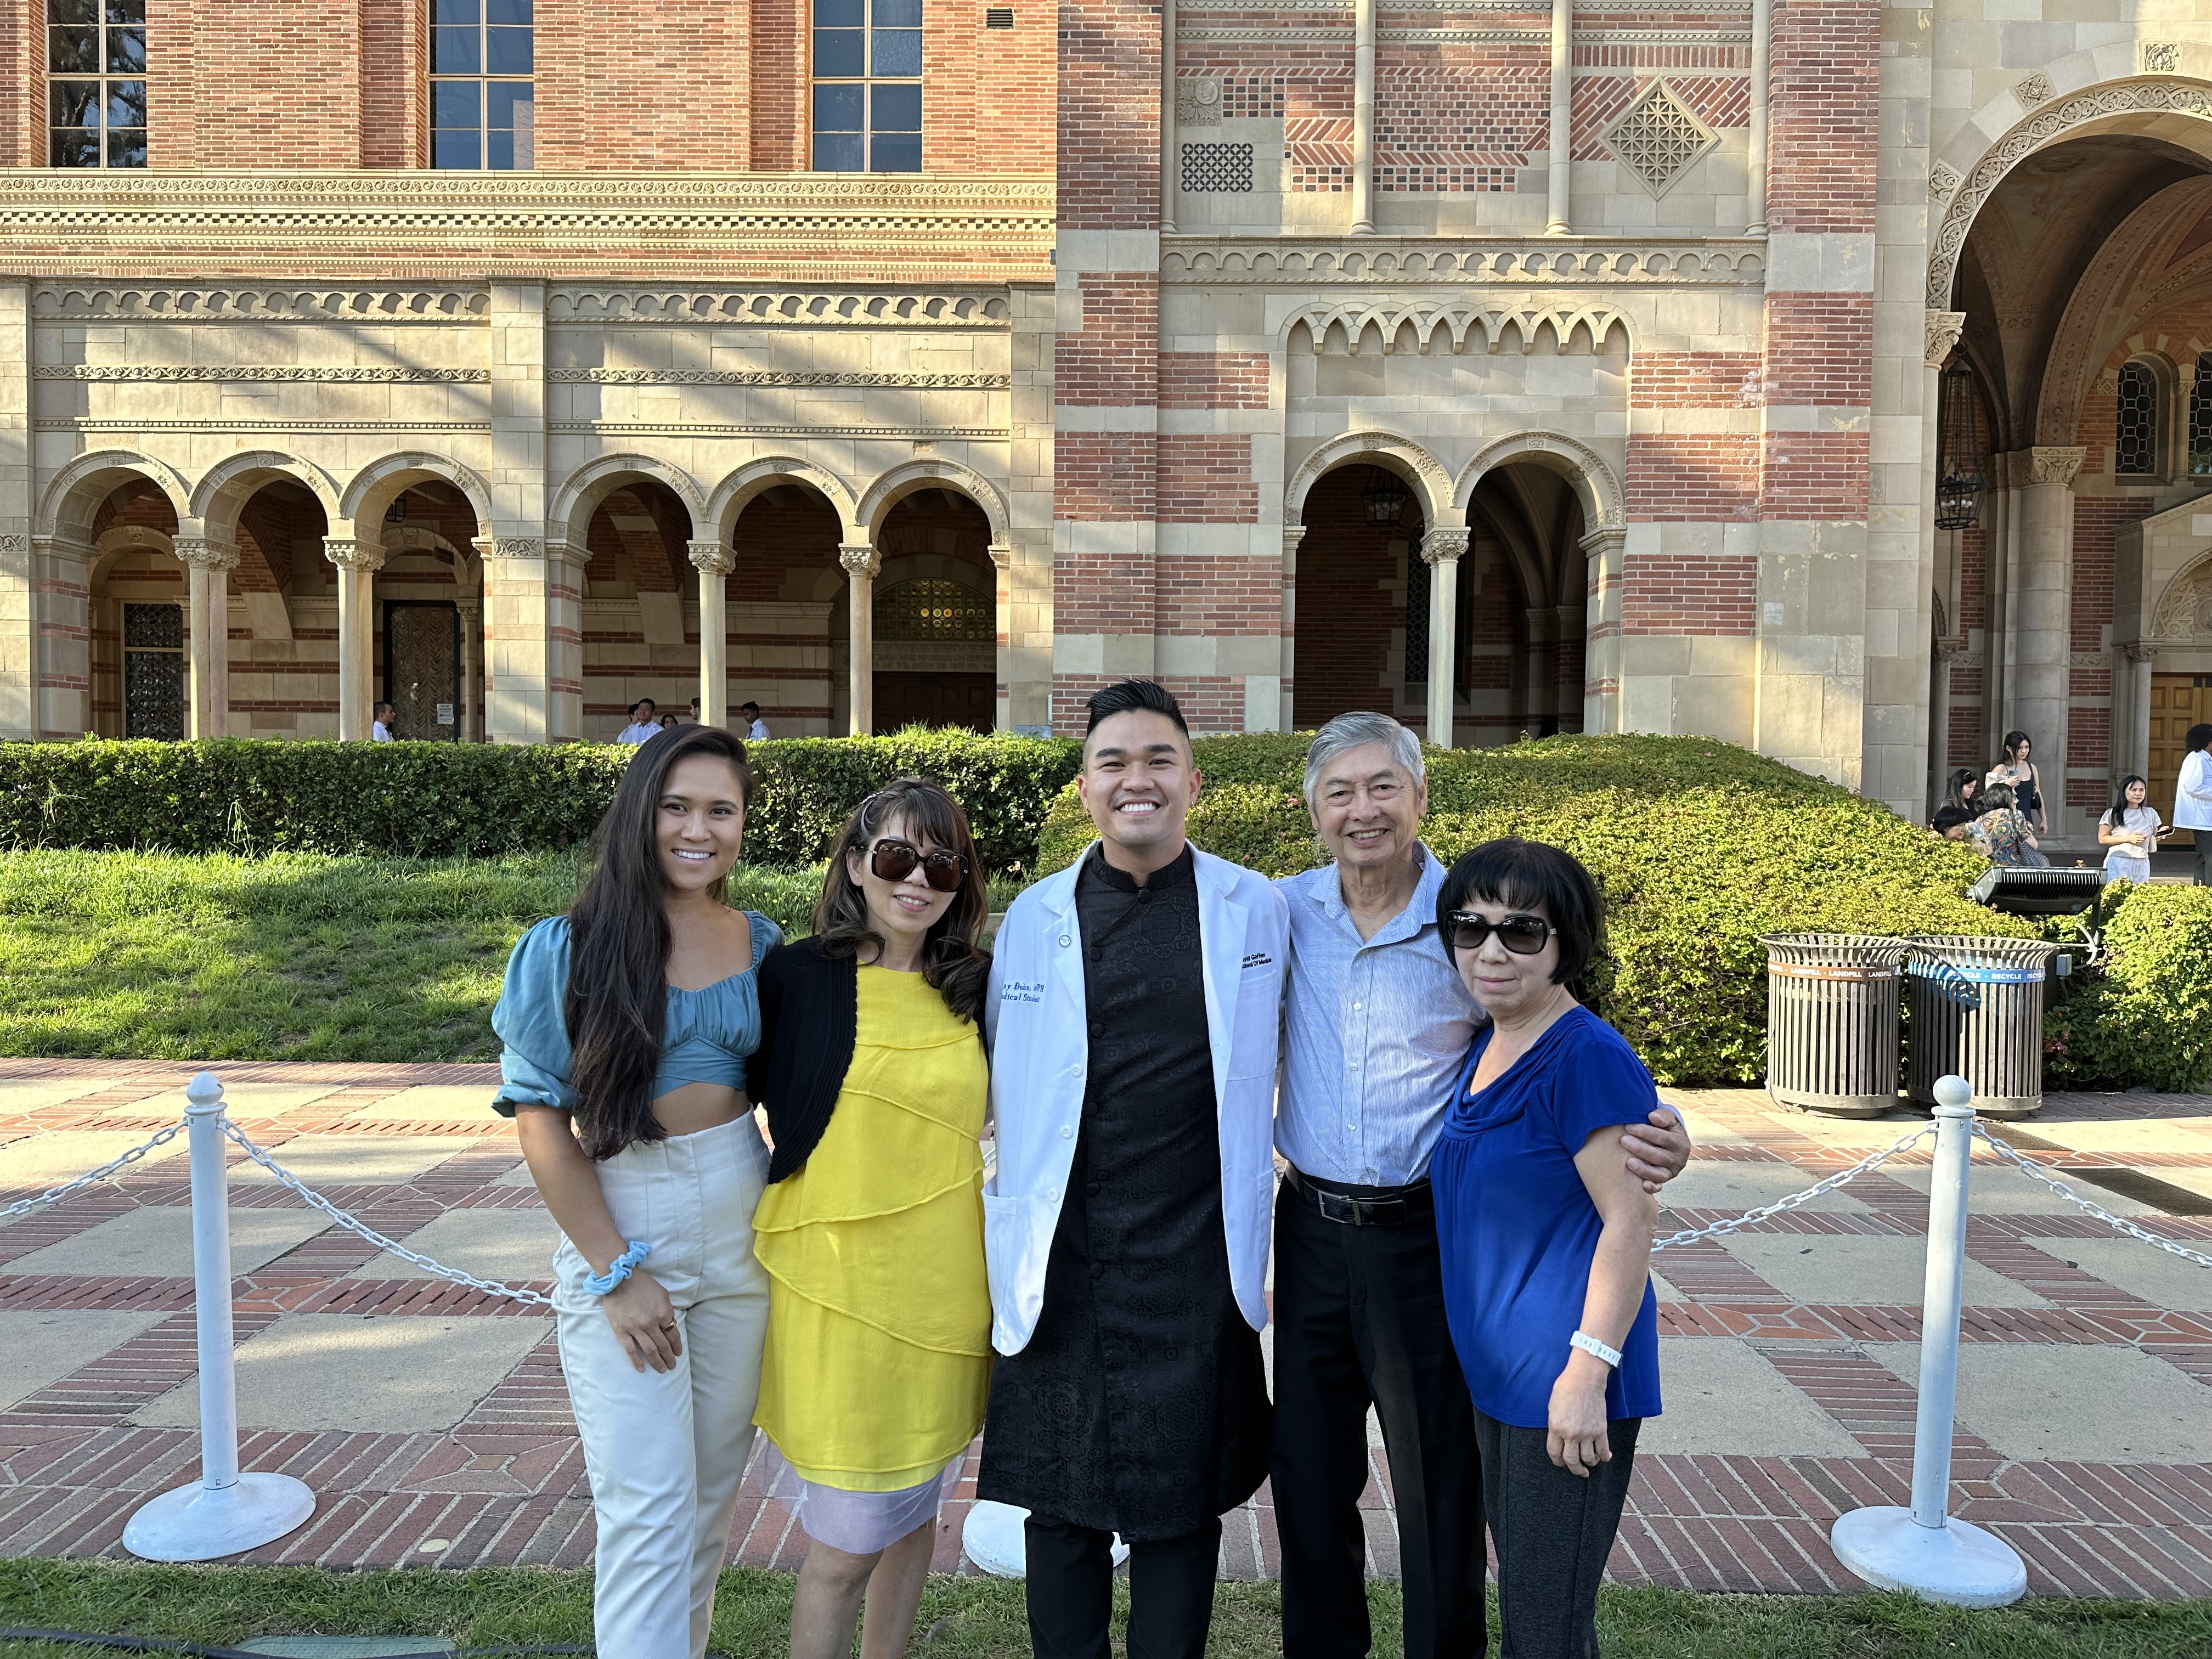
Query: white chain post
[[1923, 1550], [226, 1512]]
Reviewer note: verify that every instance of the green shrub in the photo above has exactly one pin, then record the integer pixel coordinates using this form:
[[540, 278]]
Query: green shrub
[[442, 799], [2144, 1018], [1700, 849]]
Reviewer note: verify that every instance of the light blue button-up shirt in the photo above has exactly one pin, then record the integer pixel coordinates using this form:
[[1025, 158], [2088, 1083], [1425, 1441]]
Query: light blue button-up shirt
[[1375, 1031]]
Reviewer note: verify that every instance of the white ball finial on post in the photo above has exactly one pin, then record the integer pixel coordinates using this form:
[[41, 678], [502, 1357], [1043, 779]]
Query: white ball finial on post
[[1923, 1550], [226, 1512]]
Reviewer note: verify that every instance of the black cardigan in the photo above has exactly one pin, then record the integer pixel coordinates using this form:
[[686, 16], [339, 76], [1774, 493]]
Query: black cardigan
[[810, 1018]]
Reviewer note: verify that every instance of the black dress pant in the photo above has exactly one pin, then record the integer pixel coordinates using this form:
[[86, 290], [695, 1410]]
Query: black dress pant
[[1071, 1591], [2203, 857], [1553, 1530], [1359, 1320]]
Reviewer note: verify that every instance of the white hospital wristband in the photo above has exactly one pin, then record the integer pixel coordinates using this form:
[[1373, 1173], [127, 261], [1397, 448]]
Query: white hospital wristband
[[1589, 1344]]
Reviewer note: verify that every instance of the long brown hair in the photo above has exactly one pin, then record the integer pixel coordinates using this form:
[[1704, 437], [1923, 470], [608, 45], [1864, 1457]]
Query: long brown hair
[[953, 959], [617, 1006]]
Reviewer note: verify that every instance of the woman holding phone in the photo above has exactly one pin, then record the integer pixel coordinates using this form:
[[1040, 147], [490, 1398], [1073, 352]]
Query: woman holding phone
[[879, 1358], [2129, 831]]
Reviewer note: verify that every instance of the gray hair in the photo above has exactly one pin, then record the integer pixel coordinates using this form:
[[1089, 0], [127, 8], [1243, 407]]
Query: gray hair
[[1357, 731]]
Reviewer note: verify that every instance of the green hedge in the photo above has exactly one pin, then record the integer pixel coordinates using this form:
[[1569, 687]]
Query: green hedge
[[1700, 847], [2142, 1017], [442, 799]]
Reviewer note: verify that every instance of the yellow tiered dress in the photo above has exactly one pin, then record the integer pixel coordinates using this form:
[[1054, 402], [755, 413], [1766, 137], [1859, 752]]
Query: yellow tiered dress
[[878, 1354]]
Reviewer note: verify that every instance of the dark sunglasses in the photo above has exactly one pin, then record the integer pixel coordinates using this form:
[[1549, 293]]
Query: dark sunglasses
[[1522, 935], [894, 860]]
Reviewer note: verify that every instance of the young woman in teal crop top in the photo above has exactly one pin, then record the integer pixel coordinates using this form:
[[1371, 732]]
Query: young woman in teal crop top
[[626, 1026]]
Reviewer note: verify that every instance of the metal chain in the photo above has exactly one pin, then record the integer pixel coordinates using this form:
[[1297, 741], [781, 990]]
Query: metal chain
[[1871, 1161], [2035, 1172], [316, 1200], [55, 1195]]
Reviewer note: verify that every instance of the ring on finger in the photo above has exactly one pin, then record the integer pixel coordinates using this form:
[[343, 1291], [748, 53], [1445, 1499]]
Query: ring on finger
[[667, 1324]]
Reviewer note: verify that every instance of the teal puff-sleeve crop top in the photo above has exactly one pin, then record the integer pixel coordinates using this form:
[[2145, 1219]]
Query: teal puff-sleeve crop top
[[707, 1036]]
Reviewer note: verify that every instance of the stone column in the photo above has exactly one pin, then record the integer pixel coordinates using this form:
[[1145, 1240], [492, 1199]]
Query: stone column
[[1568, 623], [2044, 476], [1761, 27], [1946, 652], [2131, 752], [60, 586], [533, 638], [1170, 180], [1001, 556], [714, 561], [862, 563], [20, 645], [357, 563], [208, 565], [1441, 547], [1606, 550], [1560, 177], [1363, 118], [471, 708]]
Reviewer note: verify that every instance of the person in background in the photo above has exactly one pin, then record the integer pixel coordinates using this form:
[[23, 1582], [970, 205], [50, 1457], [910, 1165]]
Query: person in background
[[643, 726], [1136, 1002], [2192, 796], [2002, 832], [2018, 771], [626, 1024], [379, 729], [755, 727], [695, 711], [2131, 830], [1546, 1231], [1955, 818], [1376, 1026], [879, 1356], [669, 722]]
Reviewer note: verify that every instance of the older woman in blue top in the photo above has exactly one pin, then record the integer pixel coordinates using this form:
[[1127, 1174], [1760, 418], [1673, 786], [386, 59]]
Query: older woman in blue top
[[1546, 1236], [627, 1023]]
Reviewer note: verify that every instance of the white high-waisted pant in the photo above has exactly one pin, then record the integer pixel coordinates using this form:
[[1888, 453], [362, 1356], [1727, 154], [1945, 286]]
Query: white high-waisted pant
[[666, 1449]]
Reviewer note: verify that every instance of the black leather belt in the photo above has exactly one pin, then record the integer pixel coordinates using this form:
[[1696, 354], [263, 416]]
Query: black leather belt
[[1364, 1207]]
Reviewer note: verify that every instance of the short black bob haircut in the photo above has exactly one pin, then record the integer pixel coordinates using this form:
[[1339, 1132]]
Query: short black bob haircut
[[1522, 875], [1133, 698]]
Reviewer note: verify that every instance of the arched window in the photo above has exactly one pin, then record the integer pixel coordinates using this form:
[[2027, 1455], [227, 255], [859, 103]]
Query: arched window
[[2135, 436], [2200, 419], [928, 609]]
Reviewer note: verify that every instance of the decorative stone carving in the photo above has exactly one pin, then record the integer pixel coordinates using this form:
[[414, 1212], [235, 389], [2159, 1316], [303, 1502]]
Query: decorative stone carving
[[1444, 544], [712, 558], [351, 555], [2162, 56], [1306, 261], [83, 302], [2087, 659], [1001, 555], [1942, 179], [280, 373], [1198, 101], [12, 544], [600, 302], [774, 378], [1461, 325], [2033, 89], [2047, 464], [509, 547], [205, 553], [860, 559], [1658, 137], [2107, 382], [1944, 328], [2185, 610], [2137, 650], [2048, 124]]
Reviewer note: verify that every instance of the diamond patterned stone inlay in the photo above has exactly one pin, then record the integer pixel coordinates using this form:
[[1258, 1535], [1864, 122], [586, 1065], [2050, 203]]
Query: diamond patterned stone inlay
[[1659, 137]]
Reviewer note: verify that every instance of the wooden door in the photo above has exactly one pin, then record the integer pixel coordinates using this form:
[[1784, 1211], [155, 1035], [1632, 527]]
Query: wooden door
[[2177, 702], [423, 668]]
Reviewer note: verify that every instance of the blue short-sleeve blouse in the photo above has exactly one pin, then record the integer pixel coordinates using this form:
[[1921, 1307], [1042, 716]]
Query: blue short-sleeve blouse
[[709, 1032], [1516, 1226]]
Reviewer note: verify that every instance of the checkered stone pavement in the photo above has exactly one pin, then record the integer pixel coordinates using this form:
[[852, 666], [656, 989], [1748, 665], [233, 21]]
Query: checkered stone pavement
[[432, 1423]]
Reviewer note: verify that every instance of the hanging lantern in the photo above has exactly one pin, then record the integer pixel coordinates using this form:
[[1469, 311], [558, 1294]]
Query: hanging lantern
[[1384, 496], [1959, 448], [397, 513]]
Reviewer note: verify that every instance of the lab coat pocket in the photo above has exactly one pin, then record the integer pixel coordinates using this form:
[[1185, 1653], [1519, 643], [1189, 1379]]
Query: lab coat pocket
[[1014, 1245], [1259, 1017]]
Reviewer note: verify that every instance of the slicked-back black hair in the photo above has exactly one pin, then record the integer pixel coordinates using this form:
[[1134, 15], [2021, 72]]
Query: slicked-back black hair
[[1522, 875], [2197, 737], [1133, 697]]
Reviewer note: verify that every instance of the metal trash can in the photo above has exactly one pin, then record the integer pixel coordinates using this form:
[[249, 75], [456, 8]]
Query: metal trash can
[[1977, 1011], [1832, 1022]]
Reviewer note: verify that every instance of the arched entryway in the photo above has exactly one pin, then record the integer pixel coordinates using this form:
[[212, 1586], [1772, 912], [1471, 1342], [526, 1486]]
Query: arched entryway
[[935, 602]]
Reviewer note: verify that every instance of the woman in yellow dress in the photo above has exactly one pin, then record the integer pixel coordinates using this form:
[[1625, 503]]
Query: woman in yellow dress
[[879, 1355]]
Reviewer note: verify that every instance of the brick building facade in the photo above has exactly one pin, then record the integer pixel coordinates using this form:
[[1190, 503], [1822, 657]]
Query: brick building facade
[[1576, 365]]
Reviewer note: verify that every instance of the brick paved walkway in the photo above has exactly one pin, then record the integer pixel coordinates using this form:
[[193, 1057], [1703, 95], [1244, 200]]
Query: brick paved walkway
[[433, 1424]]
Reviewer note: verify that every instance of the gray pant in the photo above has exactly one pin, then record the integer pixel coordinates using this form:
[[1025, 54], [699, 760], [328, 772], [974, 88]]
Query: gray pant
[[1553, 1531], [2203, 857]]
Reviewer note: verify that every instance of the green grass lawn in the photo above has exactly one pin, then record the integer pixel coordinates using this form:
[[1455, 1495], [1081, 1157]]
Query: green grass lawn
[[288, 957], [981, 1619]]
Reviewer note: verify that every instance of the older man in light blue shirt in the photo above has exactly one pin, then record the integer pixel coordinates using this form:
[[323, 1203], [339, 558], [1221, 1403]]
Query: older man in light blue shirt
[[1376, 1023]]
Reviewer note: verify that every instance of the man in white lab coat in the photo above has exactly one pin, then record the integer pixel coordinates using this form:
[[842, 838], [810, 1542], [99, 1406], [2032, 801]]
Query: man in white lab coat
[[2192, 797], [1133, 1019]]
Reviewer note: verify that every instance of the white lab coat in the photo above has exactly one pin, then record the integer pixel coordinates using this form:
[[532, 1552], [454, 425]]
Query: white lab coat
[[1037, 1029]]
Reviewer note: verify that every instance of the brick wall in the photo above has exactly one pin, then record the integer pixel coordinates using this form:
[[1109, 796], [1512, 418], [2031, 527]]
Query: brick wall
[[1672, 593], [252, 67], [1459, 116], [1819, 475], [1825, 60], [1210, 703], [1205, 478], [1819, 349], [1112, 359], [1103, 476], [783, 530], [1693, 477], [1213, 379], [1694, 379], [1109, 115], [1719, 101], [395, 57], [647, 87]]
